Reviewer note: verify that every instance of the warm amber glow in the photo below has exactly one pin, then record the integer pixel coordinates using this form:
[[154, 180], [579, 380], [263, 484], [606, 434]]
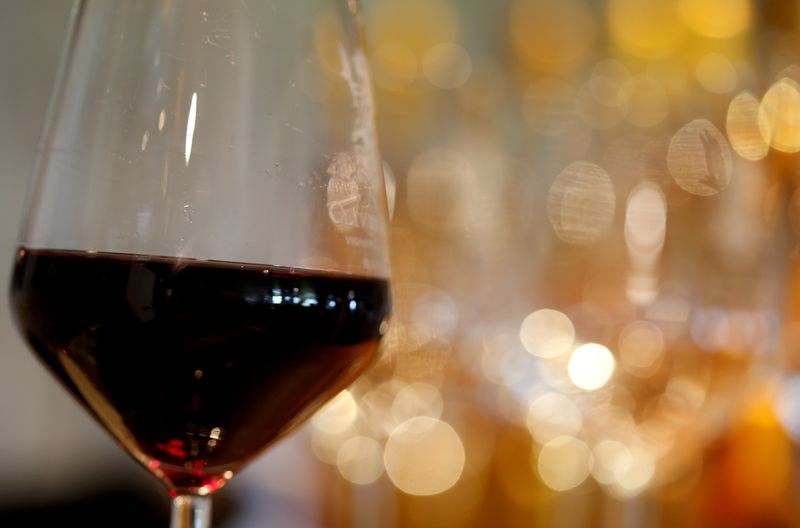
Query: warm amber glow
[[781, 107], [645, 29], [403, 32], [552, 37], [716, 18]]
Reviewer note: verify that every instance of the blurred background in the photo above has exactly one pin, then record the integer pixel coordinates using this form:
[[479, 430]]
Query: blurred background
[[594, 239]]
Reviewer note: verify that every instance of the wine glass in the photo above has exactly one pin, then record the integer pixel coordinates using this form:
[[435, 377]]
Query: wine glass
[[203, 260]]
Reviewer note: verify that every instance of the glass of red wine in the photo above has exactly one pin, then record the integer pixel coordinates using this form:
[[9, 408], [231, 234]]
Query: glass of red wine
[[203, 261]]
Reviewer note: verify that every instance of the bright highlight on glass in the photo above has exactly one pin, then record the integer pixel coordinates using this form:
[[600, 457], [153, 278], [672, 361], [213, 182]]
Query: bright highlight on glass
[[190, 122]]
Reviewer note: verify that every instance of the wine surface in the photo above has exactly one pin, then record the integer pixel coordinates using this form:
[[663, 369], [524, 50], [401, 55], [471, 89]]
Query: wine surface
[[195, 366]]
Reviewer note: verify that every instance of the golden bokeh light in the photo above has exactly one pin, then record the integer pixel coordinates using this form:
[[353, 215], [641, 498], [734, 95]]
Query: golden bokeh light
[[360, 460], [606, 81], [581, 203], [552, 415], [643, 101], [717, 18], [699, 158], [493, 355], [552, 37], [649, 29], [595, 113], [716, 73], [685, 393], [377, 405], [337, 415], [394, 65], [611, 421], [611, 460], [747, 127], [424, 456], [325, 446], [781, 107], [564, 463], [548, 106], [447, 65], [591, 366], [547, 333], [403, 32], [440, 186], [417, 399], [633, 474], [645, 220], [641, 348]]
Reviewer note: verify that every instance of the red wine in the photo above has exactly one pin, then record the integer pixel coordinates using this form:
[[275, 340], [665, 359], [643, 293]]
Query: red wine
[[195, 366]]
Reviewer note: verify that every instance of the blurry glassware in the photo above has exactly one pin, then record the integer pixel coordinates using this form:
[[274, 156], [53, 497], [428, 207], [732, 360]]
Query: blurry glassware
[[203, 262]]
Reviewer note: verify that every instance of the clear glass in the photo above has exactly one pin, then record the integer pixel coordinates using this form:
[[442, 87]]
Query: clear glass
[[203, 261]]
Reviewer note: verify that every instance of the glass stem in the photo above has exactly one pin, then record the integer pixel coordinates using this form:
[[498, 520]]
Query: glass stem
[[191, 511]]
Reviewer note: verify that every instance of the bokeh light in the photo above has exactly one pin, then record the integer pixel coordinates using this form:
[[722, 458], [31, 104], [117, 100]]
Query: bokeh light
[[643, 101], [360, 460], [716, 73], [440, 186], [646, 220], [700, 159], [581, 203], [337, 415], [552, 37], [447, 65], [424, 456], [717, 18], [649, 29], [417, 399], [552, 415], [591, 366], [747, 127], [547, 333], [781, 107], [641, 348], [564, 463], [549, 106]]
